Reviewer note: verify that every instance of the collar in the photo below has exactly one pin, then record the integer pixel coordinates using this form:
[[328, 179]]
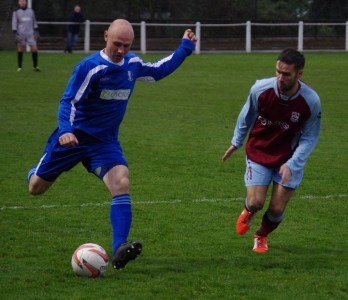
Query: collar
[[103, 55]]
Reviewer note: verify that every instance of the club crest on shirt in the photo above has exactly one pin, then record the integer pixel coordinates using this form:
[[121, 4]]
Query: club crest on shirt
[[295, 116]]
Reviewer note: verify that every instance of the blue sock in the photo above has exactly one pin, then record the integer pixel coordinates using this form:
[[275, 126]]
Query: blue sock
[[121, 219], [31, 173]]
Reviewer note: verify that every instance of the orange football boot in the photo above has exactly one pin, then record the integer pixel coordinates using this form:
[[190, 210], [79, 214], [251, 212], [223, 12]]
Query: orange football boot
[[244, 221], [260, 244]]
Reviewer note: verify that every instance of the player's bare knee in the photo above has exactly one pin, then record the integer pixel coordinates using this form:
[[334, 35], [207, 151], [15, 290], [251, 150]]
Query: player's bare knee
[[35, 190], [123, 185], [119, 186], [255, 200], [255, 203], [276, 211], [38, 188], [256, 206]]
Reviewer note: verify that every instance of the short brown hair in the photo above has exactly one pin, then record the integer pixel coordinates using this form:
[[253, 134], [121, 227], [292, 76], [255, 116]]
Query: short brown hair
[[291, 56]]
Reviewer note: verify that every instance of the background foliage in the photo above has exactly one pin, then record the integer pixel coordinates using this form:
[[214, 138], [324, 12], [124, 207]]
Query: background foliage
[[202, 10]]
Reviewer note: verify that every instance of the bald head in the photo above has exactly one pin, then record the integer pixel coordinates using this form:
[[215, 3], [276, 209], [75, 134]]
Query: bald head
[[119, 38], [121, 27]]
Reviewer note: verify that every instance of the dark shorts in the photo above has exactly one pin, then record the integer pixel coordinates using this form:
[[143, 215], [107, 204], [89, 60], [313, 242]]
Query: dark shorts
[[96, 156]]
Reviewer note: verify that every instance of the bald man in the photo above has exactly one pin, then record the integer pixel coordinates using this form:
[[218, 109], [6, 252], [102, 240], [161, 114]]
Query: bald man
[[89, 116]]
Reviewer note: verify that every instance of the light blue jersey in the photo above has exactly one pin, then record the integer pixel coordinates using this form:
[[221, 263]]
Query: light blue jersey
[[281, 129]]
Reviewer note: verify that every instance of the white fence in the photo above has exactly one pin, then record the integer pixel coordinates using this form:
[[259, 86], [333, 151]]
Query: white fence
[[199, 28]]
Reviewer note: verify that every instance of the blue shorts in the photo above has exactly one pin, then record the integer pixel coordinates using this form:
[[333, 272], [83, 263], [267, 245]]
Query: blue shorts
[[257, 174], [97, 156]]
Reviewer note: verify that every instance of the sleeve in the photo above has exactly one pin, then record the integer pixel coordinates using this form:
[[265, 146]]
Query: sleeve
[[308, 140], [82, 18], [245, 120], [71, 17], [75, 91], [167, 65], [35, 26], [64, 123], [14, 21]]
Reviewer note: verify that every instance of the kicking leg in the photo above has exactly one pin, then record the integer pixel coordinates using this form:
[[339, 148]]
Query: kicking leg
[[37, 185]]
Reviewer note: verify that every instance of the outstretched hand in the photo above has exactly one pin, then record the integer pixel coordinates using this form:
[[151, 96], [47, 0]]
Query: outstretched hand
[[229, 152], [190, 35]]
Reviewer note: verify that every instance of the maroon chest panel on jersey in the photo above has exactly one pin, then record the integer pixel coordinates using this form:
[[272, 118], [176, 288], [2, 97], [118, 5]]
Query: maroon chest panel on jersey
[[271, 138], [283, 114]]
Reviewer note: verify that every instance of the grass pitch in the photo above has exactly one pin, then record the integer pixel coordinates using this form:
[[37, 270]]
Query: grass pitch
[[185, 201]]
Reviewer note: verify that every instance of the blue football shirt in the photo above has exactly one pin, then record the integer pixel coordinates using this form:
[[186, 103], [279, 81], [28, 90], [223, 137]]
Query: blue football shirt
[[97, 94]]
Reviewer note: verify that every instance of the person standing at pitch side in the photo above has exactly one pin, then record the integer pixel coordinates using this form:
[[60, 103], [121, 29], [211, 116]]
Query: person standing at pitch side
[[25, 28], [90, 113], [283, 117], [73, 29]]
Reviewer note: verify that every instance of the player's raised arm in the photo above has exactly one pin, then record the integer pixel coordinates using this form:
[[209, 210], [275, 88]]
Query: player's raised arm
[[189, 34]]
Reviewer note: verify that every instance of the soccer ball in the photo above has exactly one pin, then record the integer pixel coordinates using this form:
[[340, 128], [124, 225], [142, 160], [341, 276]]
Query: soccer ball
[[90, 260]]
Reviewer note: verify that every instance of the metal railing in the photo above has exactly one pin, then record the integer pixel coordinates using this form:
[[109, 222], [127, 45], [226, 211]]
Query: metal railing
[[199, 28]]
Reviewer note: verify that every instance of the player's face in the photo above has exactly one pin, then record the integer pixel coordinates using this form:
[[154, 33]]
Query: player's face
[[287, 78], [22, 3], [118, 44]]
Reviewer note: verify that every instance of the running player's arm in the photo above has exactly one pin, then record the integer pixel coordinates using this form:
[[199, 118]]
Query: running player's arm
[[246, 117], [245, 120], [308, 139]]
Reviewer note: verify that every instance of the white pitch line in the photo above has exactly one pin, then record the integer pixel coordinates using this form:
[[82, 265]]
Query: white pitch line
[[203, 200]]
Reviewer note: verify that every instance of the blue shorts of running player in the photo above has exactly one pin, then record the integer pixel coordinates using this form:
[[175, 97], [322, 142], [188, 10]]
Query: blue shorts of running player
[[97, 157], [257, 174]]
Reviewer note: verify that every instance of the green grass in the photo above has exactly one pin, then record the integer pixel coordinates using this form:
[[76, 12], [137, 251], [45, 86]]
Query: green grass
[[185, 200]]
